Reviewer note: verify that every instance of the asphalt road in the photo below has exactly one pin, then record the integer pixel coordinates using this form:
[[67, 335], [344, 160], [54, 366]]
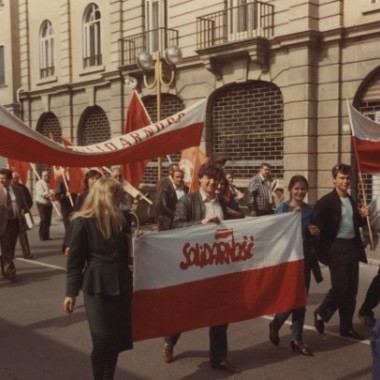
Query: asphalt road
[[40, 342]]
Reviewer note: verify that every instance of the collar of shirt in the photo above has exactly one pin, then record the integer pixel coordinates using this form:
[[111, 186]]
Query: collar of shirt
[[204, 197]]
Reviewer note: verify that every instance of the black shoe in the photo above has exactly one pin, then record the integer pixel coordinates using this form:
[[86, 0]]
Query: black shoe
[[226, 366], [367, 320], [273, 334], [300, 347], [319, 324], [352, 334]]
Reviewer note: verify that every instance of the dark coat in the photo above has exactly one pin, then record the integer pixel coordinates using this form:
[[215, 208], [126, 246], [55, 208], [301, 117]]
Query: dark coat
[[190, 210], [166, 202], [95, 264], [327, 215]]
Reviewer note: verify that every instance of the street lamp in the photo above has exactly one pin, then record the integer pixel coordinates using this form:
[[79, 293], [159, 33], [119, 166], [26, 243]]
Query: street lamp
[[172, 56]]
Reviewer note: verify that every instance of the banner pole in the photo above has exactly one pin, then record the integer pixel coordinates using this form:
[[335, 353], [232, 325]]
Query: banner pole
[[67, 187], [372, 245]]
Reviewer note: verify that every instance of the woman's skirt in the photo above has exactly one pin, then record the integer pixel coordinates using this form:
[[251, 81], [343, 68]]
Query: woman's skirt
[[109, 318]]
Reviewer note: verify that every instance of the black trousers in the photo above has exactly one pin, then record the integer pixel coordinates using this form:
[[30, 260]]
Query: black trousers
[[45, 211], [372, 298], [8, 246], [218, 343], [344, 272]]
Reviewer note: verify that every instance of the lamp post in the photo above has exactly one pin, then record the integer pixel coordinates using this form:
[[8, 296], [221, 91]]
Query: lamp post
[[172, 56]]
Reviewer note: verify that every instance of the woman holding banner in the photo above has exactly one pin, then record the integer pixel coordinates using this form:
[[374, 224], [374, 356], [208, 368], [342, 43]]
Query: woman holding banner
[[298, 187], [98, 263]]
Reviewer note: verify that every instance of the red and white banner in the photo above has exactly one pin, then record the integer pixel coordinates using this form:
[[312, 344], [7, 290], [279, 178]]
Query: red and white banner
[[208, 275], [180, 131], [366, 140]]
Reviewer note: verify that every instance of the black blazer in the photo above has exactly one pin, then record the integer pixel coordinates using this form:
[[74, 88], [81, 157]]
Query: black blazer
[[327, 215], [95, 264]]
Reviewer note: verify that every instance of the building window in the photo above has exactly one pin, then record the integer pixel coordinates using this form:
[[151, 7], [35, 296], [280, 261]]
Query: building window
[[155, 20], [46, 50], [243, 16], [2, 66], [92, 47]]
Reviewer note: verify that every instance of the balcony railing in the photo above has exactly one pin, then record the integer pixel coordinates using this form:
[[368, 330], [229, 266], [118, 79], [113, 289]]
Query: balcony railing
[[152, 40], [46, 72], [92, 60], [254, 19]]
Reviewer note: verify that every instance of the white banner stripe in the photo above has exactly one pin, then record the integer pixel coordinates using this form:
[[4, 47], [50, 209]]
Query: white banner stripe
[[201, 252]]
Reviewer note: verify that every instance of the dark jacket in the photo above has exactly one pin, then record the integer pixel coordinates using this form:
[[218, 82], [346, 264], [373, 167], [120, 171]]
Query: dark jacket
[[327, 215], [95, 264], [166, 202], [190, 210]]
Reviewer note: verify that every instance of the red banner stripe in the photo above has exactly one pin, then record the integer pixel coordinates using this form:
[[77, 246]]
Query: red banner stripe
[[218, 300]]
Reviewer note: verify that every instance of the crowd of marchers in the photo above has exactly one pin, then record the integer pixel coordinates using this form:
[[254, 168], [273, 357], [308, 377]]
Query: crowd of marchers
[[98, 230]]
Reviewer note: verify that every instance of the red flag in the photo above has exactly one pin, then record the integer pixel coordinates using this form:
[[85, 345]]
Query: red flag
[[191, 160], [366, 141], [75, 175], [20, 167], [137, 117]]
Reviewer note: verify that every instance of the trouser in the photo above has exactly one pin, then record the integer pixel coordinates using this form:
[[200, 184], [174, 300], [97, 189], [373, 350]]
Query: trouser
[[298, 315], [344, 272], [218, 343], [372, 297], [375, 349], [24, 243], [8, 246], [45, 211]]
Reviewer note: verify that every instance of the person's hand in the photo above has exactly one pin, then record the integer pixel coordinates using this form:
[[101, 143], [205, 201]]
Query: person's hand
[[68, 304], [297, 209], [314, 230], [364, 211], [211, 219]]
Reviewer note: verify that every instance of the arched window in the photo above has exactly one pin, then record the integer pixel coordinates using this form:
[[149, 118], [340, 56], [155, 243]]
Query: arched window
[[46, 50], [92, 47]]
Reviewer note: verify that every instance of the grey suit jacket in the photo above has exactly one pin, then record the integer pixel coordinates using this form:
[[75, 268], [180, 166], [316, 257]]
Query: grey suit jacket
[[22, 208]]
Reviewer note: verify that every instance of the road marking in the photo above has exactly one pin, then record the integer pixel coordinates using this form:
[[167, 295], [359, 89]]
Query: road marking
[[41, 264]]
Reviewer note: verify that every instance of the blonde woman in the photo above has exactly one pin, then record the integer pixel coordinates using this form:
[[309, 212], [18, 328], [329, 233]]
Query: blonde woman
[[98, 264]]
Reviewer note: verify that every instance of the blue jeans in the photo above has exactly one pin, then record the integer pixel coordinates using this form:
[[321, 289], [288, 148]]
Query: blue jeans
[[375, 349], [298, 320]]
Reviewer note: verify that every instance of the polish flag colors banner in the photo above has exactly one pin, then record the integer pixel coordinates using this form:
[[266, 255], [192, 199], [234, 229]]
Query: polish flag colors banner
[[207, 275], [366, 141], [180, 131]]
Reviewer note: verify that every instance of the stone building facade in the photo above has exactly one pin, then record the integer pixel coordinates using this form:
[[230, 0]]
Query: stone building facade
[[276, 74]]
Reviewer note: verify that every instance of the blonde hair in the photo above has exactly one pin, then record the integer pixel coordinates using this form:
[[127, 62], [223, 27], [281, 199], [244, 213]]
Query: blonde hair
[[102, 203]]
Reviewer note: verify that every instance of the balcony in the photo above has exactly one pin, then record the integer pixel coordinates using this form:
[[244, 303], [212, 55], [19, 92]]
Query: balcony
[[237, 33], [152, 40], [243, 22]]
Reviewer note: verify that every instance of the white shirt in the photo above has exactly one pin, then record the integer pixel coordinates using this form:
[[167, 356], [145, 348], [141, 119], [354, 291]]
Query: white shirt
[[42, 192], [213, 207]]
